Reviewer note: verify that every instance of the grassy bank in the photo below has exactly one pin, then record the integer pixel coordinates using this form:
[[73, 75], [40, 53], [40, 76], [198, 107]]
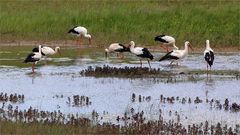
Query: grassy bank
[[113, 21]]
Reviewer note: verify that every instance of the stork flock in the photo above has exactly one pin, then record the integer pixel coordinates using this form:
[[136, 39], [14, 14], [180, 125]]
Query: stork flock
[[143, 53]]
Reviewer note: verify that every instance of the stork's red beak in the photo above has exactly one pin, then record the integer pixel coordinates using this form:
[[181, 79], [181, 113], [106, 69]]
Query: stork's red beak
[[59, 52], [90, 41], [190, 46]]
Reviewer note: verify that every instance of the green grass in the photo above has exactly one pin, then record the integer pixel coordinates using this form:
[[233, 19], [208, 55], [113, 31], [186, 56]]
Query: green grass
[[122, 21]]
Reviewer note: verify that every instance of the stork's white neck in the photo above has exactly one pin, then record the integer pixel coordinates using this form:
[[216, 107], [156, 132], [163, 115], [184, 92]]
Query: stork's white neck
[[40, 50], [186, 47], [56, 49], [207, 44], [174, 46], [132, 46], [87, 36]]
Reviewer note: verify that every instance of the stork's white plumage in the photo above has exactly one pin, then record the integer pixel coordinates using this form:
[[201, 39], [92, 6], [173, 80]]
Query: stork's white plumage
[[34, 57], [208, 55], [141, 52], [166, 40], [177, 54], [116, 48], [45, 50], [80, 32]]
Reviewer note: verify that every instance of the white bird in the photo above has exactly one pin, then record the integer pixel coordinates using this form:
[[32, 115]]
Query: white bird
[[141, 52], [47, 50], [116, 48], [176, 55], [34, 57], [166, 40], [208, 55], [80, 32]]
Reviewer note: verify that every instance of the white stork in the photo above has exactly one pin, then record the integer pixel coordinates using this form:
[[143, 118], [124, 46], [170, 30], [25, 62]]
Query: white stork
[[166, 40], [34, 57], [47, 50], [141, 52], [208, 55], [176, 55], [80, 32], [117, 48]]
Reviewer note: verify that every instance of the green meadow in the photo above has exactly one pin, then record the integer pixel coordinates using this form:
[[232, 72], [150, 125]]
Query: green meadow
[[122, 21]]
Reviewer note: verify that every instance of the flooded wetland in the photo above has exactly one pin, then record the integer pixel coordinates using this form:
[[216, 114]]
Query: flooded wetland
[[82, 83]]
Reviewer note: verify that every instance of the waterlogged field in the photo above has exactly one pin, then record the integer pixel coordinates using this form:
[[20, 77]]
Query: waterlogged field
[[184, 93]]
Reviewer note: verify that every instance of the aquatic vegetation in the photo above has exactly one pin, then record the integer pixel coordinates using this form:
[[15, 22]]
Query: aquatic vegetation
[[13, 98], [78, 100], [33, 121], [140, 98], [213, 103], [125, 72]]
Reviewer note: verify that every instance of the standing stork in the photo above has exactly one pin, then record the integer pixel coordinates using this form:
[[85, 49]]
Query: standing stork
[[208, 55], [166, 40], [34, 57], [141, 52], [176, 55], [80, 32], [47, 50], [117, 48]]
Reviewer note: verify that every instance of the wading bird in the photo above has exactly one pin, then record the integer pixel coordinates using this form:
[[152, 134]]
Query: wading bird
[[176, 55], [80, 32], [34, 57], [166, 40], [208, 55], [141, 52], [47, 50], [116, 48]]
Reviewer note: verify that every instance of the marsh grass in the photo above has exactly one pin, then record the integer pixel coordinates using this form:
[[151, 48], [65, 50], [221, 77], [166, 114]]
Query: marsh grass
[[121, 21]]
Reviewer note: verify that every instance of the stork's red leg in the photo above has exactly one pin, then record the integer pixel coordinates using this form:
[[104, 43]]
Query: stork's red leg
[[165, 48], [149, 64], [33, 66]]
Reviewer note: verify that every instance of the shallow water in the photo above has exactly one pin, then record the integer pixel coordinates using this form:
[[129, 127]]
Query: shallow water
[[59, 75]]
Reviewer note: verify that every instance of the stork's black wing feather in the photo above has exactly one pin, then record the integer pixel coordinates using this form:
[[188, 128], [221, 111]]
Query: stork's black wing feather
[[30, 58], [168, 56], [160, 39], [146, 54], [37, 50], [209, 57], [125, 49], [73, 31]]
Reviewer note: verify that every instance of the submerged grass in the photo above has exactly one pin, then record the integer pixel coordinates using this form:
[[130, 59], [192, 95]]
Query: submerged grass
[[122, 21]]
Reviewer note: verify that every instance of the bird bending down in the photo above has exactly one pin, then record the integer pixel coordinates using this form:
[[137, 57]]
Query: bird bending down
[[141, 52], [176, 55], [166, 40], [80, 32], [208, 55], [117, 48], [45, 51], [34, 57]]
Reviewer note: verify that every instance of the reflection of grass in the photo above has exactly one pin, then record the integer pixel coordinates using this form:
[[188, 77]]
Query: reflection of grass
[[111, 21]]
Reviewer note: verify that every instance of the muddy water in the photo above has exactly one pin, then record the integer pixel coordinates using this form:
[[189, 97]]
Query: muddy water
[[59, 75]]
